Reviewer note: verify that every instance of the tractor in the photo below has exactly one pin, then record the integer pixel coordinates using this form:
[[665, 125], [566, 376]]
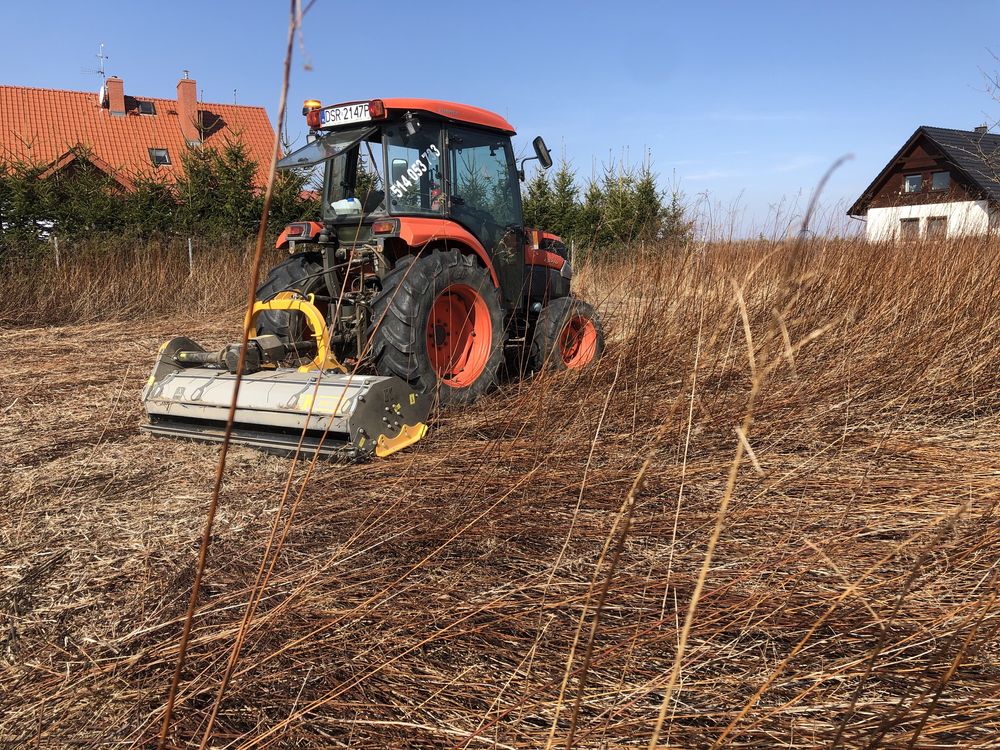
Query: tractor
[[418, 273]]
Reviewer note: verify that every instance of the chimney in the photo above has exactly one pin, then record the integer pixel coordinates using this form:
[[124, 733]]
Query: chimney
[[187, 109], [116, 96], [982, 129]]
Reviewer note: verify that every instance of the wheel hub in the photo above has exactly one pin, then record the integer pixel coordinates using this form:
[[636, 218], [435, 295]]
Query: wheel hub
[[440, 334], [459, 333], [578, 342]]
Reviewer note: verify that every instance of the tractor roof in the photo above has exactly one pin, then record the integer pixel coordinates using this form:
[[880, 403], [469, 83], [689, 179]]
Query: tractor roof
[[452, 111]]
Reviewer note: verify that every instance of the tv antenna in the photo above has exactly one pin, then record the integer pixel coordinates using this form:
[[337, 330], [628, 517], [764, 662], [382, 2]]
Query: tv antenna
[[101, 59]]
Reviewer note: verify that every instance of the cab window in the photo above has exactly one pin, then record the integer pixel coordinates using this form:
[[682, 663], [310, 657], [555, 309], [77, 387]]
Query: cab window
[[413, 169], [484, 185]]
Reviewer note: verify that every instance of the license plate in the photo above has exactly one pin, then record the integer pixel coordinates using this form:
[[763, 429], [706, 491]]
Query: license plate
[[345, 114]]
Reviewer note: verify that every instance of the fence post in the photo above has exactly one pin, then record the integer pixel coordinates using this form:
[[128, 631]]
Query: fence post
[[190, 259], [55, 240], [572, 254]]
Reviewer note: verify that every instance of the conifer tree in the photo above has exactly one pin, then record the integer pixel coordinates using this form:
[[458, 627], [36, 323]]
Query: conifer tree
[[590, 216], [648, 205], [537, 201], [238, 202], [565, 203], [676, 227]]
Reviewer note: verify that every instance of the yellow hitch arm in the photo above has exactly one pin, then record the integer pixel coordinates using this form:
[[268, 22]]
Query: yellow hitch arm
[[324, 359]]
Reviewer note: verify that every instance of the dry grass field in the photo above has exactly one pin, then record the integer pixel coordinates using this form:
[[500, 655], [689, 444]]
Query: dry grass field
[[768, 515]]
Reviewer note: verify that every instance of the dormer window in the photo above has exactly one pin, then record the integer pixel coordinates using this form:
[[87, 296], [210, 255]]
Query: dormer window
[[940, 181], [913, 183], [146, 108], [159, 156]]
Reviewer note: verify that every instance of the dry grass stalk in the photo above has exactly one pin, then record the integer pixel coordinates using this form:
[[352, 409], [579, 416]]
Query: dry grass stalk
[[430, 600]]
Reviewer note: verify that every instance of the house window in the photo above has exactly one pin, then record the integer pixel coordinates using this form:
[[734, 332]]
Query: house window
[[937, 227], [940, 181], [909, 229], [159, 157], [913, 183], [147, 108]]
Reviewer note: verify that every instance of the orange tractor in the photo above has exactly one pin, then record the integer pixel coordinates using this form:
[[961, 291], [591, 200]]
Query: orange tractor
[[419, 272]]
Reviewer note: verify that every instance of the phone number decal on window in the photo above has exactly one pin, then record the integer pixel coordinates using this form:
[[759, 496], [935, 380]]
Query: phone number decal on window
[[414, 172]]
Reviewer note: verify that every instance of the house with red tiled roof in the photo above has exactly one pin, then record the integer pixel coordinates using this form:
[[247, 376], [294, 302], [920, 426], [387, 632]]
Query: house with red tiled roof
[[124, 136]]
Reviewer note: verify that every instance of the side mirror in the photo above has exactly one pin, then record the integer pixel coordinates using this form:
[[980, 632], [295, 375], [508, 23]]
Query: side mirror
[[398, 168], [542, 152]]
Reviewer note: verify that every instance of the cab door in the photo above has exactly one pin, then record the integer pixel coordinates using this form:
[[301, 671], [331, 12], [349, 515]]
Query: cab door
[[485, 198]]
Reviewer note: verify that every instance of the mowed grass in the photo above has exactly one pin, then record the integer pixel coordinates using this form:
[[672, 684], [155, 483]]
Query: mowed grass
[[508, 582]]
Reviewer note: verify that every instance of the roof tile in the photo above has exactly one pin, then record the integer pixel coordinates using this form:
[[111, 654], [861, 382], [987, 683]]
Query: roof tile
[[975, 154], [41, 125]]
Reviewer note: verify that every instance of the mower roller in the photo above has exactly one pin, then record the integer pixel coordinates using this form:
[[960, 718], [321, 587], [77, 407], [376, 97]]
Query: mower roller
[[419, 284]]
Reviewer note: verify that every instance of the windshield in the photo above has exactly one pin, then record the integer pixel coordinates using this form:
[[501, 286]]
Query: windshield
[[364, 166], [353, 183], [351, 175], [323, 148], [413, 160]]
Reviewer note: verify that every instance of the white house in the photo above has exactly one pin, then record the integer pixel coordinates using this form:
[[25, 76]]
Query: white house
[[941, 183]]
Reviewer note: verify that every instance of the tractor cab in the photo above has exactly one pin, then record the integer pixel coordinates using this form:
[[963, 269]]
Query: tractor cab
[[395, 167], [413, 157], [420, 278]]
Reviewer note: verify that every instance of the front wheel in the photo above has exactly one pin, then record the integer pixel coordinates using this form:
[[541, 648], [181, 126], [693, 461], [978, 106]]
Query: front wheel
[[568, 336], [438, 324]]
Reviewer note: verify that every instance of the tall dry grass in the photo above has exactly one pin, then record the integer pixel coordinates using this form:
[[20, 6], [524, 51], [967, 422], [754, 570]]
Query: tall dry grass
[[123, 280], [509, 582]]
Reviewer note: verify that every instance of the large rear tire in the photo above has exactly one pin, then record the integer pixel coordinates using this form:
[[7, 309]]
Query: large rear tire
[[302, 273], [438, 324], [568, 336]]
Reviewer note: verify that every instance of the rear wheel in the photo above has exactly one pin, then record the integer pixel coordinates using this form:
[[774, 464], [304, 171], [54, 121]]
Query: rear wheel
[[302, 273], [568, 336], [438, 324]]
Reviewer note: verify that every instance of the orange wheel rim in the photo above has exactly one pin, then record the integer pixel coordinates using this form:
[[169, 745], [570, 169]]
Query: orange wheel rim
[[578, 342], [459, 333]]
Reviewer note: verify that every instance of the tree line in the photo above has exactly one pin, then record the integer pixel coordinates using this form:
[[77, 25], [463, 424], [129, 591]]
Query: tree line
[[216, 198], [620, 206]]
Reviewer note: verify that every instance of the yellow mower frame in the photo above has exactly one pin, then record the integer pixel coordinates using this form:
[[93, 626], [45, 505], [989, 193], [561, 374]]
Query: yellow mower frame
[[293, 302]]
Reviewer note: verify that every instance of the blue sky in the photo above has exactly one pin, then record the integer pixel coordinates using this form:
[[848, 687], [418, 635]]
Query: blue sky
[[747, 103]]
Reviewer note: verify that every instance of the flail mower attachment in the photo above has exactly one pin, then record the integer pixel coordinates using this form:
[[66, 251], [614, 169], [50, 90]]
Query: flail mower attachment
[[190, 390]]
